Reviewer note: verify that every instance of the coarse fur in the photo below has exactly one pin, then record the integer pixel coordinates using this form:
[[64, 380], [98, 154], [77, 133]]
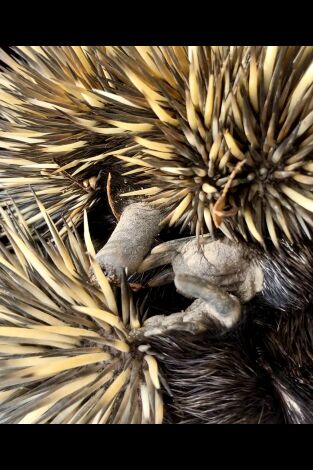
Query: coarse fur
[[288, 276], [259, 372]]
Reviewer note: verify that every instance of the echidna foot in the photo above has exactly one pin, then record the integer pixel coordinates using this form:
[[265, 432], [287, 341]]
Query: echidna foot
[[221, 274], [211, 303], [222, 263]]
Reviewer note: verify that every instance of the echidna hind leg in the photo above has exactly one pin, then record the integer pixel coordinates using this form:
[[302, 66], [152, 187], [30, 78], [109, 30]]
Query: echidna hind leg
[[130, 241], [222, 263], [211, 303], [220, 275]]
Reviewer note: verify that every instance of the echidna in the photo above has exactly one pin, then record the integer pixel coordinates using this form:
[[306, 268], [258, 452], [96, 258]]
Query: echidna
[[224, 146], [260, 371], [219, 138], [65, 351]]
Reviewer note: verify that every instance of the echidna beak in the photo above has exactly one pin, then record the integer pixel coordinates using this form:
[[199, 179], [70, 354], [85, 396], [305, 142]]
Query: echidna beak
[[165, 253], [130, 241], [175, 245]]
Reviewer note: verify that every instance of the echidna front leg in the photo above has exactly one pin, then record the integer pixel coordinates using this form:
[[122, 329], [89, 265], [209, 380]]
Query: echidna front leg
[[130, 241]]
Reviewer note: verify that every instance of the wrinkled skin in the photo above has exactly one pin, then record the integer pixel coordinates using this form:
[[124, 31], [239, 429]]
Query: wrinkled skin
[[220, 263], [219, 274]]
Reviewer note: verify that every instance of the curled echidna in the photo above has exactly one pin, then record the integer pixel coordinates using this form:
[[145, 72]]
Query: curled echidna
[[65, 352], [228, 137], [214, 138]]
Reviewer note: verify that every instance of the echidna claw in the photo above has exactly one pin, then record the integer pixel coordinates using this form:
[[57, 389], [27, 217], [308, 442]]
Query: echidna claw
[[174, 245], [219, 275], [155, 260], [218, 303]]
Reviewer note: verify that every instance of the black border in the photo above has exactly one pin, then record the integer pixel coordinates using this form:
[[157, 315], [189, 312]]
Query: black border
[[163, 23], [163, 442]]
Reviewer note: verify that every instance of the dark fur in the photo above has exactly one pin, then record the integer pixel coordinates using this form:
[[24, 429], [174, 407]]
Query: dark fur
[[260, 372], [288, 276]]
